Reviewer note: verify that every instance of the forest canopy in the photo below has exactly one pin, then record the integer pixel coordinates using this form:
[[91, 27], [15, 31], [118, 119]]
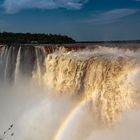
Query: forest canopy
[[34, 38]]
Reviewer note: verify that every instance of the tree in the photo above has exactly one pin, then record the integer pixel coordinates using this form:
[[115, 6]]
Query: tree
[[30, 38]]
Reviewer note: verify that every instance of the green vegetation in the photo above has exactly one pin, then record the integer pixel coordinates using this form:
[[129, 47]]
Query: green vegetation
[[30, 38]]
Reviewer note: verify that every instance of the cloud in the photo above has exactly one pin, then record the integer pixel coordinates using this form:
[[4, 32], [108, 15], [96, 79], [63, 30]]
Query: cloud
[[111, 16], [14, 6]]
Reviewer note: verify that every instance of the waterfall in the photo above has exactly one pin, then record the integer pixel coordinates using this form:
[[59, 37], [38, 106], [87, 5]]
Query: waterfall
[[7, 64], [40, 57], [104, 77], [100, 78], [3, 57], [17, 70], [16, 61], [8, 56]]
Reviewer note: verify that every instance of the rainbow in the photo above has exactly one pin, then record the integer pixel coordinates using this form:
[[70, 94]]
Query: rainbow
[[60, 133]]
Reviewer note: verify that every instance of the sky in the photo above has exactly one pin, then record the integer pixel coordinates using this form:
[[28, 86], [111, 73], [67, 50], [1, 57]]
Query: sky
[[83, 20]]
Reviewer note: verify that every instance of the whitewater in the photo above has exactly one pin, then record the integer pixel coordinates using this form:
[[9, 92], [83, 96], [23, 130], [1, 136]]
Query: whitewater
[[64, 93]]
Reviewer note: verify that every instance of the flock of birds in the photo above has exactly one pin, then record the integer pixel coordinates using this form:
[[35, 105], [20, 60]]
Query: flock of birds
[[7, 133]]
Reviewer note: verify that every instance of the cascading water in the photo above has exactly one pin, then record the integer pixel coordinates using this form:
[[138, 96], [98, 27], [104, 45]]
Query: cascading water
[[7, 66], [40, 57], [102, 79], [17, 73], [20, 61]]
